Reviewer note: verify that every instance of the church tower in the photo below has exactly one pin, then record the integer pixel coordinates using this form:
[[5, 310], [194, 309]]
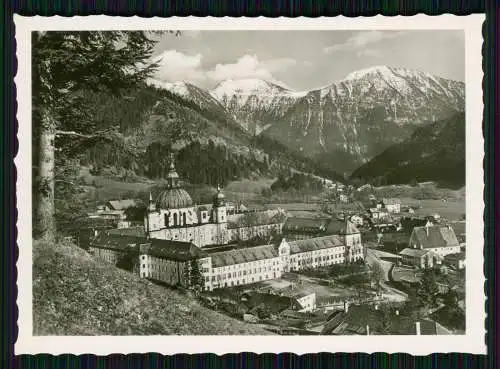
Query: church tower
[[352, 241], [219, 216], [219, 209]]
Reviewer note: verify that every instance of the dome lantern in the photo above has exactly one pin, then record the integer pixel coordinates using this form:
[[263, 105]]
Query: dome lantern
[[174, 196], [172, 176]]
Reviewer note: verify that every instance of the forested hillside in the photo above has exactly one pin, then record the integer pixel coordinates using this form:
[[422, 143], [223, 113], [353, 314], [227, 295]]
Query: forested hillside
[[209, 146], [433, 153]]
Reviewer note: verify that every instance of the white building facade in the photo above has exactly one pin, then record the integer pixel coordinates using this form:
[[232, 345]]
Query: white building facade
[[172, 216]]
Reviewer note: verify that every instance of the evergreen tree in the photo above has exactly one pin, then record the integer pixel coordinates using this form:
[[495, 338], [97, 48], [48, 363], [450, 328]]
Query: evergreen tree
[[65, 66], [428, 289], [196, 279]]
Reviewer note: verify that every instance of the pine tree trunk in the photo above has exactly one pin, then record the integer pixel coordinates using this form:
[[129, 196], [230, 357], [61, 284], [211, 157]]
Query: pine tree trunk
[[44, 223]]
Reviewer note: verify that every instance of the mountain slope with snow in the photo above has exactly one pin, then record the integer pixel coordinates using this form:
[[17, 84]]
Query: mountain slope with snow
[[341, 125], [255, 103], [189, 92], [352, 120]]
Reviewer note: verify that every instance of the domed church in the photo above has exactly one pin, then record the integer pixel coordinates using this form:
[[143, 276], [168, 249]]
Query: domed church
[[172, 216]]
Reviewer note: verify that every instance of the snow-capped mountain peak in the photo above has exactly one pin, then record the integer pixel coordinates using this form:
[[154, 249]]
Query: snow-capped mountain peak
[[249, 86], [179, 88], [380, 71], [189, 92], [254, 102]]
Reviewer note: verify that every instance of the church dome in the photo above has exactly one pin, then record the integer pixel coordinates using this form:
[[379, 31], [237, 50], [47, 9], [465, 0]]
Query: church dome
[[174, 198]]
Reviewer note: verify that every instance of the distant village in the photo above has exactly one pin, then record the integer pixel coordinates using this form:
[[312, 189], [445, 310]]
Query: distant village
[[339, 267]]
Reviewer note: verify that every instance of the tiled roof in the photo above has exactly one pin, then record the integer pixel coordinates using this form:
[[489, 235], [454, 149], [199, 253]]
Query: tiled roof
[[336, 226], [435, 236], [243, 255], [118, 242], [358, 318], [305, 224], [174, 198], [415, 253], [172, 250], [317, 243], [122, 204], [455, 257], [131, 231]]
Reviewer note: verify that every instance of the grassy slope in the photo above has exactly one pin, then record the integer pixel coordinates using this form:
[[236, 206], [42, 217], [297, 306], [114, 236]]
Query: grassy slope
[[75, 294]]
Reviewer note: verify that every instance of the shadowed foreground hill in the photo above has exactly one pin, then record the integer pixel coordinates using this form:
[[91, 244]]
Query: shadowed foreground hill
[[75, 294]]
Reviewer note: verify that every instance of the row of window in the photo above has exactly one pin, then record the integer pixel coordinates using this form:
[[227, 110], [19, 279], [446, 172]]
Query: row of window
[[242, 281], [161, 268], [246, 265], [243, 273], [320, 259]]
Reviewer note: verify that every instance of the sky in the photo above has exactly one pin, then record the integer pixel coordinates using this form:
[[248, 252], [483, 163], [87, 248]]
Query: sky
[[304, 60]]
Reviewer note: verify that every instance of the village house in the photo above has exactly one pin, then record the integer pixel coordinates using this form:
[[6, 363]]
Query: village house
[[83, 230], [118, 207], [437, 238], [343, 198], [358, 220], [306, 301], [393, 205], [422, 258], [456, 261], [372, 320], [378, 213]]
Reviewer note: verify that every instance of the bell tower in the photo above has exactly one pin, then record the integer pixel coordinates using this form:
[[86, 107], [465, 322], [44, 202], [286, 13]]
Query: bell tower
[[219, 209], [352, 241], [219, 216]]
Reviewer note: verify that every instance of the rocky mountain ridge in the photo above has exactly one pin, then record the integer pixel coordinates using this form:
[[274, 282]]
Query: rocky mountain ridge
[[345, 123]]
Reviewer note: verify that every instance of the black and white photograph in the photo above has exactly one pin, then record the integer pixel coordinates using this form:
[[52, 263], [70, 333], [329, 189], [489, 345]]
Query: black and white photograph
[[253, 182]]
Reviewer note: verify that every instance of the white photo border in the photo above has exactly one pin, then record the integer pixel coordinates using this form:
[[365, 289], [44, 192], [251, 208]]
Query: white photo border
[[473, 341]]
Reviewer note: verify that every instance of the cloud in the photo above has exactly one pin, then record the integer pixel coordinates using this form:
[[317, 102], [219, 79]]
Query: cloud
[[362, 39], [177, 66], [369, 52], [249, 66]]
